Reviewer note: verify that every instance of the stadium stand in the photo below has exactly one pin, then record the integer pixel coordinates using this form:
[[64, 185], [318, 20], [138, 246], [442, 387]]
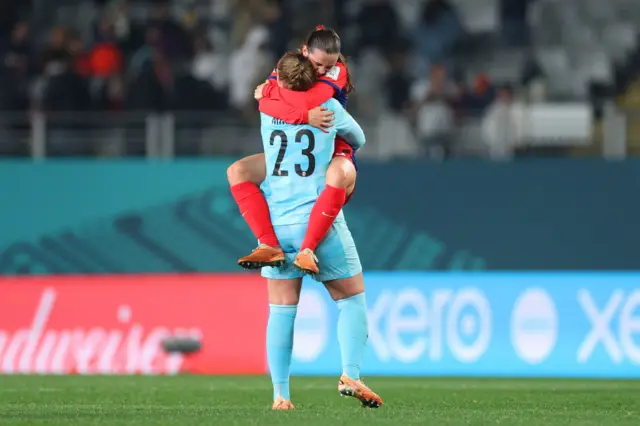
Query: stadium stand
[[443, 77]]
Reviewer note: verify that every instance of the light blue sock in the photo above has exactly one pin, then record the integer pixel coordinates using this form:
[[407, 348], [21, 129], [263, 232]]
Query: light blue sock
[[280, 346], [352, 333]]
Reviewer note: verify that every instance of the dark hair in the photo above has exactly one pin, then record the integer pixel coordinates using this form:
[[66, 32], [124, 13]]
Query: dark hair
[[296, 72], [328, 40]]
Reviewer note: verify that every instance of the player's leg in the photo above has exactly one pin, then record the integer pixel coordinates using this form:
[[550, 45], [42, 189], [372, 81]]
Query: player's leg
[[340, 182], [245, 177], [353, 333], [284, 295], [342, 276], [352, 321]]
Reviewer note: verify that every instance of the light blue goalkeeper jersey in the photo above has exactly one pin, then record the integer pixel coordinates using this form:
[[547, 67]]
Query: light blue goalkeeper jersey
[[297, 158]]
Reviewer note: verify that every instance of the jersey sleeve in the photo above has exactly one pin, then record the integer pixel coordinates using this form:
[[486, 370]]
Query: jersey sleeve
[[326, 88], [336, 77], [346, 126], [271, 105], [329, 84]]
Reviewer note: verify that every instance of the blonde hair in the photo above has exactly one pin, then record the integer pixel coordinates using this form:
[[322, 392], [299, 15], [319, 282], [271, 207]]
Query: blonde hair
[[296, 72]]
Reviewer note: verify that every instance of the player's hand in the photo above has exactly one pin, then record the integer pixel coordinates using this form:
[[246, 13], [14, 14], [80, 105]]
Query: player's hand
[[321, 118], [258, 92]]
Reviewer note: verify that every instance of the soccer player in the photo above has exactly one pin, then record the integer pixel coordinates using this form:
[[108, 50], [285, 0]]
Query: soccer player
[[322, 48], [297, 161]]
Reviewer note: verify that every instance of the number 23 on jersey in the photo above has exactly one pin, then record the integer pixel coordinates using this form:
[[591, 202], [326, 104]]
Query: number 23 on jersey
[[304, 144]]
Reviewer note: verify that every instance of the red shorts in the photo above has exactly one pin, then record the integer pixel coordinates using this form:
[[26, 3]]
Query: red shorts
[[343, 149]]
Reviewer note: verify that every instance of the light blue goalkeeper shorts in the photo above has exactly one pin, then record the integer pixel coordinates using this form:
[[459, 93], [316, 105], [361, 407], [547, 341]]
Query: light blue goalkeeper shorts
[[337, 254]]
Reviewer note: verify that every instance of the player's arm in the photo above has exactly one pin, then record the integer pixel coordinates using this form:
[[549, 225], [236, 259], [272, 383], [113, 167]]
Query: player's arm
[[320, 93], [272, 105], [328, 85], [319, 117], [346, 126]]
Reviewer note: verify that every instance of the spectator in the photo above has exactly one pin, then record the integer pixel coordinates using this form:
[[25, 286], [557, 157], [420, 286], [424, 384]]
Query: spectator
[[55, 57], [13, 90], [209, 65], [125, 33], [190, 94], [398, 83], [435, 86], [533, 81], [438, 31], [19, 55], [9, 16], [378, 24], [66, 91], [248, 66], [105, 57], [81, 60], [498, 128], [278, 22], [151, 87], [174, 40], [106, 60], [17, 70], [482, 96], [375, 69], [431, 99], [462, 99], [111, 95], [189, 16], [515, 28], [246, 15], [143, 56]]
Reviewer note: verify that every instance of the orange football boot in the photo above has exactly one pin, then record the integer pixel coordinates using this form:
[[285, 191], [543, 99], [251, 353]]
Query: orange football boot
[[282, 404], [307, 262], [263, 255], [360, 391]]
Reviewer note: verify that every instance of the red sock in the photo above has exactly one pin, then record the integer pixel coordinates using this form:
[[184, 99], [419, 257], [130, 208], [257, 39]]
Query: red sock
[[323, 214], [255, 211]]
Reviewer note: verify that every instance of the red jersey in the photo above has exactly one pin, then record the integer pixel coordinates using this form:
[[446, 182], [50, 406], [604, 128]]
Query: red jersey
[[290, 98], [331, 85]]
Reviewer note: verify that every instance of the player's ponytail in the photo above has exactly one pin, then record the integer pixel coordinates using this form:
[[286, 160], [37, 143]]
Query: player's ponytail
[[350, 87], [296, 72], [326, 39]]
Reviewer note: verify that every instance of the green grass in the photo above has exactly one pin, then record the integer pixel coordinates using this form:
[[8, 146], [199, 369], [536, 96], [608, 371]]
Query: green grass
[[201, 400]]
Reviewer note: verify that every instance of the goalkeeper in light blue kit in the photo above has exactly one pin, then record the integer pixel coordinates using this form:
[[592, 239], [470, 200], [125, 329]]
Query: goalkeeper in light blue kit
[[297, 158]]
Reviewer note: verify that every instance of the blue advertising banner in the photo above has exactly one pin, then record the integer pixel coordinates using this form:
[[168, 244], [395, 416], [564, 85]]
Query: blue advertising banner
[[485, 324]]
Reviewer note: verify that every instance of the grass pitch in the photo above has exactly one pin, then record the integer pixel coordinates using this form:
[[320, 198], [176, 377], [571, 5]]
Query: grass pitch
[[201, 400]]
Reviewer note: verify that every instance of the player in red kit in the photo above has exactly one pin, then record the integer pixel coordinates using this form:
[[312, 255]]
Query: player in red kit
[[322, 47]]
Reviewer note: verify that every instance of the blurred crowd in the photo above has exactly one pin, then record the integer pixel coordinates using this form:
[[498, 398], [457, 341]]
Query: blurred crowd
[[123, 65], [169, 60], [410, 58]]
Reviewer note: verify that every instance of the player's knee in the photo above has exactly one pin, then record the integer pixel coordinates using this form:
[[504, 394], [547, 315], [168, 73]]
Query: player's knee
[[249, 169], [341, 173], [285, 300], [346, 287], [283, 292], [239, 172]]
